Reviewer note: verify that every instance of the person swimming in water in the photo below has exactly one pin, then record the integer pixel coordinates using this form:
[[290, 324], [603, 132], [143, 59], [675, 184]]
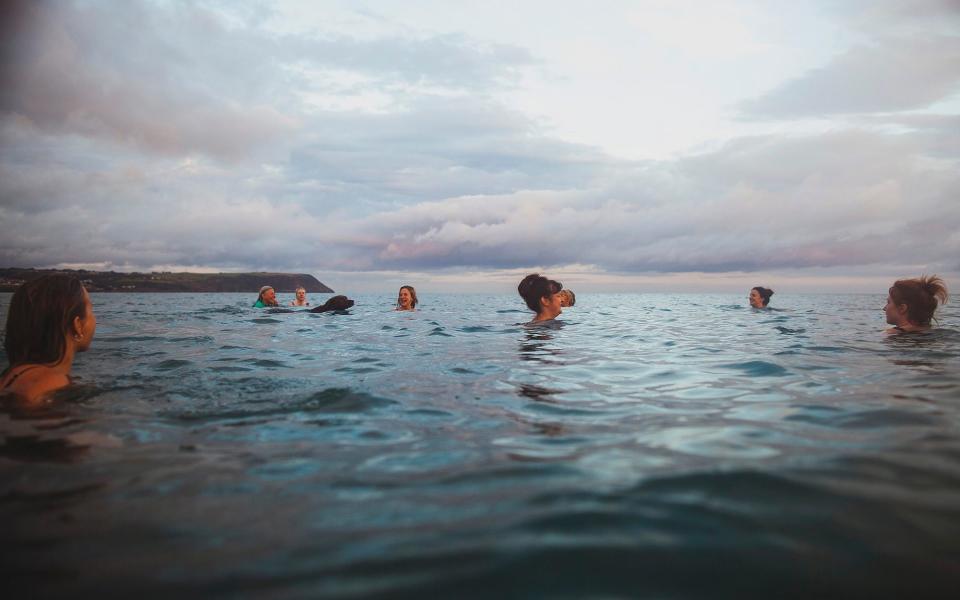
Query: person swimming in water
[[407, 298], [267, 297], [567, 298], [912, 302], [541, 295], [301, 299], [49, 321], [760, 297]]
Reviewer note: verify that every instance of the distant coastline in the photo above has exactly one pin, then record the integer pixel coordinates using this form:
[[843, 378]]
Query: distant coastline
[[111, 281]]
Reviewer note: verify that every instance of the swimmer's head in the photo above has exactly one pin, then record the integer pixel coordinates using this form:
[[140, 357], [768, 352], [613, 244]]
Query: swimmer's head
[[407, 298], [47, 315], [760, 297], [913, 301], [538, 291], [567, 298], [301, 294], [268, 295]]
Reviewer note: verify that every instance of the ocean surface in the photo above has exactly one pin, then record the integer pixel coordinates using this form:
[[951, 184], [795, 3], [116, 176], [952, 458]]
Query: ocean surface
[[644, 445]]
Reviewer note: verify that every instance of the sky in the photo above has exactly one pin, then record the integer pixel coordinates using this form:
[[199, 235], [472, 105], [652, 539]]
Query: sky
[[457, 146]]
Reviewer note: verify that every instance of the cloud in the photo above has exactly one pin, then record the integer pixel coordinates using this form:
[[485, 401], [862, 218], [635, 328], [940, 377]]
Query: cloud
[[889, 74], [214, 142], [177, 79], [850, 198]]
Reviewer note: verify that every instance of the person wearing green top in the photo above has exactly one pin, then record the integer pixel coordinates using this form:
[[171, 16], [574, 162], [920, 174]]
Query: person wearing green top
[[267, 297]]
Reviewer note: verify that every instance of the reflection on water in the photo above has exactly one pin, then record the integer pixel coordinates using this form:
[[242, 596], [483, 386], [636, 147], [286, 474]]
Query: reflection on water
[[536, 345], [641, 445]]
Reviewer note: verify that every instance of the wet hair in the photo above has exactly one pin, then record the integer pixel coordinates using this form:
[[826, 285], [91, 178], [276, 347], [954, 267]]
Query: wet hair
[[300, 288], [765, 294], [413, 295], [921, 295], [533, 287], [571, 297], [40, 317]]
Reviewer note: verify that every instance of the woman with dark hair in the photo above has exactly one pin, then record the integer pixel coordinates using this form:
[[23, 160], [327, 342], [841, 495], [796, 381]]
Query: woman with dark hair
[[50, 320], [760, 297], [542, 296], [912, 302], [407, 298]]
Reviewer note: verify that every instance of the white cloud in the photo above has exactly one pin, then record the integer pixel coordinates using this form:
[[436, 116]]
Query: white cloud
[[889, 74]]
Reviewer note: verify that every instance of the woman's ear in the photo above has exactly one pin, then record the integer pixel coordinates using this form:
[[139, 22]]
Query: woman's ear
[[77, 326]]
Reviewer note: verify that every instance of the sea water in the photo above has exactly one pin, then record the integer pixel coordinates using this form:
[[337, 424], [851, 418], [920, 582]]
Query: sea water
[[651, 445]]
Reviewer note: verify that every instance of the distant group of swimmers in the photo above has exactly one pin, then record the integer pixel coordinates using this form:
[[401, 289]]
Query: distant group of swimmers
[[407, 298], [51, 319]]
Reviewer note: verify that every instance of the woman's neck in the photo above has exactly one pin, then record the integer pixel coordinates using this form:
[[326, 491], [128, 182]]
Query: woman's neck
[[546, 315], [911, 327], [66, 363]]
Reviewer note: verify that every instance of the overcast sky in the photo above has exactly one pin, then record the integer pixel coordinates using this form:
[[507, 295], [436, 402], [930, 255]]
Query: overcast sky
[[458, 145]]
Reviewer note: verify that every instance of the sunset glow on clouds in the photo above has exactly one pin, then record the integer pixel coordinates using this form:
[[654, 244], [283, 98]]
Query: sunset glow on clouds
[[624, 145]]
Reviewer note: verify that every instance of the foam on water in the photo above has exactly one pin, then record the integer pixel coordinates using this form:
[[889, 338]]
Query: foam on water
[[662, 445]]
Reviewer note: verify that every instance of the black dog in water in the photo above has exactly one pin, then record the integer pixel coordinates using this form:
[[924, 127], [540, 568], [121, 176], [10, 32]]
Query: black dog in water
[[335, 303]]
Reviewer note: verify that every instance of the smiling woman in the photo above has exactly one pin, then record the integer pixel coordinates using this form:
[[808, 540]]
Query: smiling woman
[[407, 298]]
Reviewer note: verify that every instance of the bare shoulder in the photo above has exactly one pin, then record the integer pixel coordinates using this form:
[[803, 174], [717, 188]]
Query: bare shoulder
[[31, 383]]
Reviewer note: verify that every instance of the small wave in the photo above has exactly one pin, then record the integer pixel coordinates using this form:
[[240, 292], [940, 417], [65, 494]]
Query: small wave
[[173, 363], [128, 338], [787, 330], [344, 400], [330, 400], [221, 310], [266, 363], [265, 320], [195, 339], [757, 368], [357, 370]]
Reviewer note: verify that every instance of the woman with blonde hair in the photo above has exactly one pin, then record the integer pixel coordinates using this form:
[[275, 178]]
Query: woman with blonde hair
[[301, 299], [912, 302]]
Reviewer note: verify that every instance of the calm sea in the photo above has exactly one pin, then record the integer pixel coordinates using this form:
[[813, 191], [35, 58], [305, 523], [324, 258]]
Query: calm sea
[[648, 445]]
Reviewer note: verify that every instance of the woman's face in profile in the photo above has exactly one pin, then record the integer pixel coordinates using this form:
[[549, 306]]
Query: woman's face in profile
[[405, 299], [756, 300], [552, 302], [89, 326], [891, 311]]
